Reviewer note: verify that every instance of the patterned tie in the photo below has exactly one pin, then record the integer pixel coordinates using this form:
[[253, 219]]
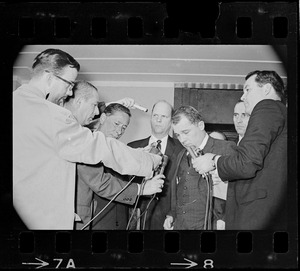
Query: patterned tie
[[158, 145]]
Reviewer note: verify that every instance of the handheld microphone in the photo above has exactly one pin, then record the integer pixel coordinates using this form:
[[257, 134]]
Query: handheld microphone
[[191, 152], [161, 169], [137, 106], [194, 156], [164, 164]]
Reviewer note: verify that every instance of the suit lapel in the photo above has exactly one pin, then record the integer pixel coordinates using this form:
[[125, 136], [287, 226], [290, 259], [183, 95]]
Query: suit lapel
[[209, 145]]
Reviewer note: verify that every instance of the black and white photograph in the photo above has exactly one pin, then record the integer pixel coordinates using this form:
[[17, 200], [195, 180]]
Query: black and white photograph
[[152, 155]]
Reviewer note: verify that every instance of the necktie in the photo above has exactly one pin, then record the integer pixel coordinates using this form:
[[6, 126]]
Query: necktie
[[198, 152], [158, 145]]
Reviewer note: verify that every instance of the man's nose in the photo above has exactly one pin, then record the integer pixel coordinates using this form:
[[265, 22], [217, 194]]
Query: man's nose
[[182, 139], [97, 112], [119, 130], [69, 92], [243, 97], [158, 119]]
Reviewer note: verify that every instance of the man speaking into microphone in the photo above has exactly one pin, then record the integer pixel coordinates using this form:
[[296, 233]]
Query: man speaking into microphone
[[190, 194]]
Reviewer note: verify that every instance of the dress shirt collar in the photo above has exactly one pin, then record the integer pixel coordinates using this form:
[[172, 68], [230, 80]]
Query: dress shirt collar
[[240, 138], [204, 141]]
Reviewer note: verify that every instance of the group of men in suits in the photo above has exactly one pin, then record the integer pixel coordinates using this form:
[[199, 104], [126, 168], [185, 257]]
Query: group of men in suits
[[257, 170], [96, 184], [256, 197]]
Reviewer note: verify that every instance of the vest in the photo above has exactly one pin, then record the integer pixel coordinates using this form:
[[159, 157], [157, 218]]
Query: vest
[[191, 198]]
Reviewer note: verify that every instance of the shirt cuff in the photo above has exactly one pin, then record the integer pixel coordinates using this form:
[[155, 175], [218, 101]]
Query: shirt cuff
[[216, 163], [139, 188]]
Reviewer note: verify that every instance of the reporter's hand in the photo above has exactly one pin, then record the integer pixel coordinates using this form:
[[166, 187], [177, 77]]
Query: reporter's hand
[[147, 148], [203, 163], [153, 185], [168, 224]]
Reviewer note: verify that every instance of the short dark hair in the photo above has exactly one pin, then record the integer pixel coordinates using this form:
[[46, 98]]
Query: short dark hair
[[53, 60], [271, 77], [189, 112], [113, 107]]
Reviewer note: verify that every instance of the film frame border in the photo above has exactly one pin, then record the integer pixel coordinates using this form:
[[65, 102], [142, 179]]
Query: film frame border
[[128, 254]]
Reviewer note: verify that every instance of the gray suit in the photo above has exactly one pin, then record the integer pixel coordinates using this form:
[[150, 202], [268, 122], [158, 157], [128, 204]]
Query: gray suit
[[92, 178]]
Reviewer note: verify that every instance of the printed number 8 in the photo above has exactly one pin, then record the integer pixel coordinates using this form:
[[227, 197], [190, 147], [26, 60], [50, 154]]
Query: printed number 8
[[208, 264]]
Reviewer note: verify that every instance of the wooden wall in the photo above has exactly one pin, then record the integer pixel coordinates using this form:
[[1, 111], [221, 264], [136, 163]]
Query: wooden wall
[[215, 105]]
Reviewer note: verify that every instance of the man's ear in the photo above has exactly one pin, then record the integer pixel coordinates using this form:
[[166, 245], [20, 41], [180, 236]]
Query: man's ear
[[48, 77], [267, 89], [102, 118], [201, 125]]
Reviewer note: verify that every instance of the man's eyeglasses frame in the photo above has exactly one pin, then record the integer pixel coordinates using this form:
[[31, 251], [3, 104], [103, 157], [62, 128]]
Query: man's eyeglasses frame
[[71, 84]]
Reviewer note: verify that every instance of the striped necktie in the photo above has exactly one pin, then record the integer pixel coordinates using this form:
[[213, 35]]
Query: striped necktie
[[158, 145]]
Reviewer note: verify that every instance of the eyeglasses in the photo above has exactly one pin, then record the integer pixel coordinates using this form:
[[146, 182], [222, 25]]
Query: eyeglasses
[[71, 84]]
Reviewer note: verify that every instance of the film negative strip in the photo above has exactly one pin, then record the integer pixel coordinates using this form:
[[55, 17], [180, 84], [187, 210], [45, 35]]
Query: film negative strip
[[110, 40]]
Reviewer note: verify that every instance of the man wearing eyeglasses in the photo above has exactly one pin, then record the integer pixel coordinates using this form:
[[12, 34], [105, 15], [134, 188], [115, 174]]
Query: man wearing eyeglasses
[[48, 141]]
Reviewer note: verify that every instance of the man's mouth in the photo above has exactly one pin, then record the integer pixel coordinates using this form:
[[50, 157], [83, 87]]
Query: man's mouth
[[61, 101]]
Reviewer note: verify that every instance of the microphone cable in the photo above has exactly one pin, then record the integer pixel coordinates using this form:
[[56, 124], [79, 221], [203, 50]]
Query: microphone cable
[[146, 211], [136, 203], [114, 197], [159, 170], [207, 204], [208, 207]]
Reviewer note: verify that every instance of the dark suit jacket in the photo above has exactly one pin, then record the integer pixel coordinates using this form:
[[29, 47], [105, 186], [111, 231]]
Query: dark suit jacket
[[92, 179], [159, 208], [213, 145], [256, 197]]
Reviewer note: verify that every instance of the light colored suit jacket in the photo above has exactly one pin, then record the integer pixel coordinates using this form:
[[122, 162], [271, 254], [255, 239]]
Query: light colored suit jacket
[[47, 141]]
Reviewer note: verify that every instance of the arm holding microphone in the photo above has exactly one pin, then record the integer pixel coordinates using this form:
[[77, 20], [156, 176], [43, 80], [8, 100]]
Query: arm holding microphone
[[158, 172], [205, 163], [195, 160], [129, 103]]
